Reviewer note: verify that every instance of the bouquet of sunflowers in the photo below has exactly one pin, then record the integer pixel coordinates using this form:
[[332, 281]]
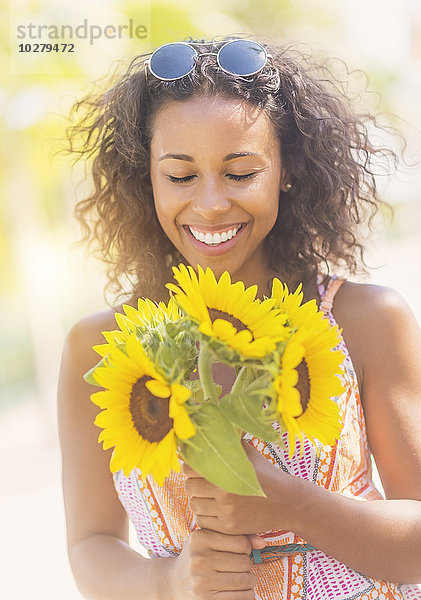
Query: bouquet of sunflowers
[[156, 409]]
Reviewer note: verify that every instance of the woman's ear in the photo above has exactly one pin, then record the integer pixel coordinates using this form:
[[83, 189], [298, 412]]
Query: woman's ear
[[286, 184]]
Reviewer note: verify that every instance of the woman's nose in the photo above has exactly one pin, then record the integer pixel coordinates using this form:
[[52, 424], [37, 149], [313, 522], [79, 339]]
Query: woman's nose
[[210, 200]]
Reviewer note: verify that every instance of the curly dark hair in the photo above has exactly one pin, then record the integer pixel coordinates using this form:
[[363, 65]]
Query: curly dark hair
[[325, 146]]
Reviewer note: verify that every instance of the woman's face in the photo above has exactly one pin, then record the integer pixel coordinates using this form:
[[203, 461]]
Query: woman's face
[[216, 175]]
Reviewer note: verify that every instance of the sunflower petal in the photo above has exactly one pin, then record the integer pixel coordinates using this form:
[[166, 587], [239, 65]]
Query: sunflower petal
[[158, 388], [180, 393]]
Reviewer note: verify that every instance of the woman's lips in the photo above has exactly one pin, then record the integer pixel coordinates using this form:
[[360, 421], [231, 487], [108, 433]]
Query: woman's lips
[[217, 250]]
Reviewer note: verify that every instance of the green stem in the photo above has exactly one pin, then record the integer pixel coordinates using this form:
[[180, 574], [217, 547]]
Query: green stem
[[237, 386], [244, 377], [205, 373]]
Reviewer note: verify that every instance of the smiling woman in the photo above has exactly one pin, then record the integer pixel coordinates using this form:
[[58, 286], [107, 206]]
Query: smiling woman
[[330, 189], [249, 159], [211, 193]]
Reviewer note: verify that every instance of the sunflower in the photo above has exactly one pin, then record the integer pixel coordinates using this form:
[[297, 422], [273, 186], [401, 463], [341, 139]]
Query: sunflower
[[147, 314], [228, 312], [289, 303], [113, 339], [310, 357], [288, 403], [143, 414]]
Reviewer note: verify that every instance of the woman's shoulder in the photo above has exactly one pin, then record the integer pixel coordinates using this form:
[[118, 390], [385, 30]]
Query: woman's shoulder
[[376, 322], [93, 323], [87, 332], [384, 341], [78, 357], [370, 304]]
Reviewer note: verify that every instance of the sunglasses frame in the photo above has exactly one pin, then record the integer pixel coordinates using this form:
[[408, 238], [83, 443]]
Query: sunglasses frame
[[196, 54]]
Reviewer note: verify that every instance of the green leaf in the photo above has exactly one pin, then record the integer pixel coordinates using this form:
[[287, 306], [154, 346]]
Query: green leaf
[[171, 329], [89, 375], [218, 454], [246, 411], [197, 394], [261, 383], [258, 392]]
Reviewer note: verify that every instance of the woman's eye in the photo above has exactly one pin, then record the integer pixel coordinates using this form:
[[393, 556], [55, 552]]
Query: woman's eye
[[240, 177], [188, 178], [180, 179]]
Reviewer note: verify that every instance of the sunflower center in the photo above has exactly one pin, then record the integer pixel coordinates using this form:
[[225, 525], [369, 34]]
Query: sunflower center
[[149, 413], [303, 385], [215, 313]]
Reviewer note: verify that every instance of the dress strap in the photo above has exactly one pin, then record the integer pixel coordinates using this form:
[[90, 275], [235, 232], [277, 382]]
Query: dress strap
[[275, 552], [327, 294]]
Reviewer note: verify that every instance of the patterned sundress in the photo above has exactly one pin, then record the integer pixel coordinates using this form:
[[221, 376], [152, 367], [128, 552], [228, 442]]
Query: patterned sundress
[[163, 521]]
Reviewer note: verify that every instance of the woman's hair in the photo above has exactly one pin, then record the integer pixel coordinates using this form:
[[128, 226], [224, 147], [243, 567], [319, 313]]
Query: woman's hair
[[325, 148]]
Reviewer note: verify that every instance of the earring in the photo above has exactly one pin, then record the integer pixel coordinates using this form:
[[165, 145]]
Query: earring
[[288, 186]]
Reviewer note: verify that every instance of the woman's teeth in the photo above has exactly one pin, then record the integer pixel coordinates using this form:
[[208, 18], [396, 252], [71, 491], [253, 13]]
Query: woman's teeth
[[216, 238]]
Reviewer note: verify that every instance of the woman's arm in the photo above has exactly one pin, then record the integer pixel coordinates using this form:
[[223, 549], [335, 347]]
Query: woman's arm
[[381, 539], [103, 564]]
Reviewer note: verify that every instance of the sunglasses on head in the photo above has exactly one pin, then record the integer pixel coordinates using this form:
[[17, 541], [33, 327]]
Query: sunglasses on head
[[177, 59]]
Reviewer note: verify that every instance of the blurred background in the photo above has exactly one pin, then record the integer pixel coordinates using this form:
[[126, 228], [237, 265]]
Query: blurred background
[[47, 281]]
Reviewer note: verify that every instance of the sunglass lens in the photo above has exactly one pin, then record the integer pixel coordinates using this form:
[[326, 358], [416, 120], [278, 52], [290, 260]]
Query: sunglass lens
[[242, 57], [172, 61]]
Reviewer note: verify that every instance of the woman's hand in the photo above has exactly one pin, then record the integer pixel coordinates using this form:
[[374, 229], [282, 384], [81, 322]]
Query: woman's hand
[[213, 563], [233, 514]]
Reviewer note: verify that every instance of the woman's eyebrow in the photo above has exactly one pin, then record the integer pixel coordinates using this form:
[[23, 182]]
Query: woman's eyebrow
[[226, 158], [185, 157], [239, 155]]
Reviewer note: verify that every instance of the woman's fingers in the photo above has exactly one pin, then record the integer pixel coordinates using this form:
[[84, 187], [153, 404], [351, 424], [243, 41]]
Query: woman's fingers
[[203, 506], [256, 541], [200, 487], [238, 544], [205, 522], [237, 595], [229, 562], [234, 581], [215, 564], [187, 470]]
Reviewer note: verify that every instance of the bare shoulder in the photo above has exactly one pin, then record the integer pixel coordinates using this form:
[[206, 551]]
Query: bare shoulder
[[368, 309], [371, 295], [368, 302], [95, 322], [87, 332], [384, 341], [373, 318]]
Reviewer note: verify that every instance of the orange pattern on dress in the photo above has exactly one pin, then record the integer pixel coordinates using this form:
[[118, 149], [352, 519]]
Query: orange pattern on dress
[[163, 520]]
